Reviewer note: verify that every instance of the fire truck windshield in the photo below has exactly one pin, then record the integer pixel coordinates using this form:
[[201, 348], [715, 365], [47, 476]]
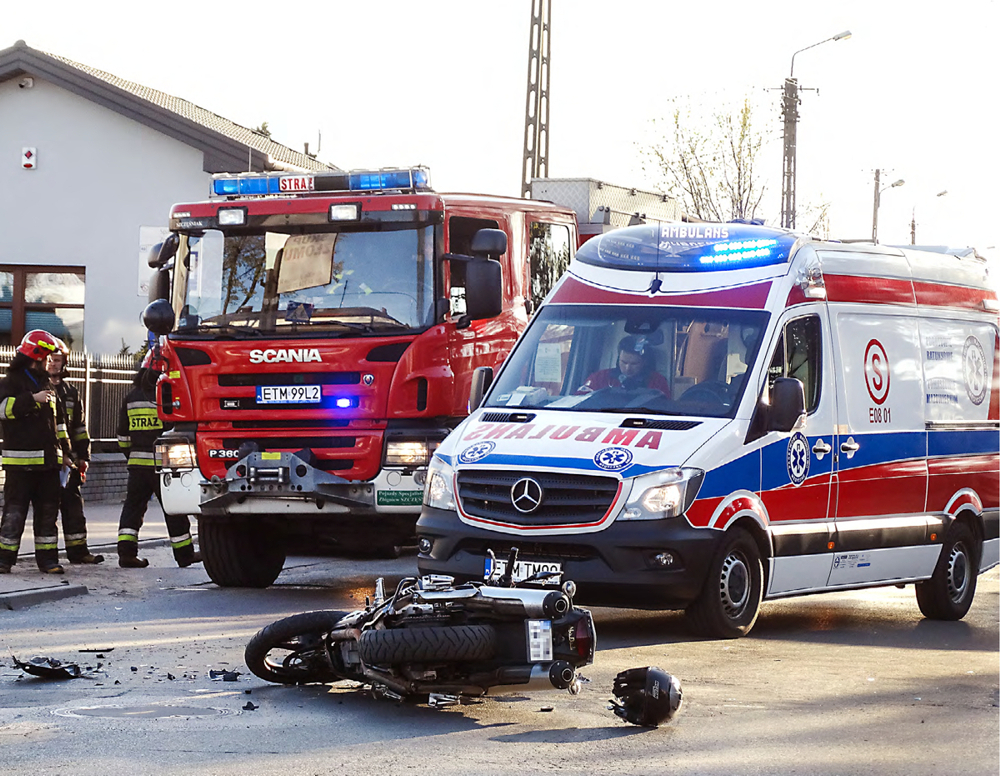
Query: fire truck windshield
[[261, 282]]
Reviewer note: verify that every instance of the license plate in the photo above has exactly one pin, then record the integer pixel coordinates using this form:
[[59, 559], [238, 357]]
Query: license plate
[[539, 640], [524, 569], [289, 394]]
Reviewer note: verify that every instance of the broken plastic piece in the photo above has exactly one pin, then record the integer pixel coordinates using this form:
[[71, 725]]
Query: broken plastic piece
[[48, 668]]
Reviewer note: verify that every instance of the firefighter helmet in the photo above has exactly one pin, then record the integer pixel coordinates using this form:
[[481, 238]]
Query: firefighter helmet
[[646, 696], [61, 347], [38, 345]]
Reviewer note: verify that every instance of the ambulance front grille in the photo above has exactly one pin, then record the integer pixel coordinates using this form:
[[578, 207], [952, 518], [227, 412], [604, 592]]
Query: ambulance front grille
[[566, 498]]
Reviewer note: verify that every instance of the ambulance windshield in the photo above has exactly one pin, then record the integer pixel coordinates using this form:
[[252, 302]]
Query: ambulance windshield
[[657, 360], [297, 280]]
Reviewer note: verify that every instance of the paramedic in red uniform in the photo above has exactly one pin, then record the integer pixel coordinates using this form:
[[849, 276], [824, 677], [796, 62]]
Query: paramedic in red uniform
[[635, 370]]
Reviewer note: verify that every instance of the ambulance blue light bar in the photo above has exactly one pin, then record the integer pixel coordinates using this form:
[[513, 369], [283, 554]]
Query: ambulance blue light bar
[[264, 184], [688, 247]]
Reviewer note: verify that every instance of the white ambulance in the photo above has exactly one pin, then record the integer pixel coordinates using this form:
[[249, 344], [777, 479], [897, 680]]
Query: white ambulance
[[705, 416]]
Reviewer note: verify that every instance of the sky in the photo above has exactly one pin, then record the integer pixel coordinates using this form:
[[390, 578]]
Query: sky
[[382, 83]]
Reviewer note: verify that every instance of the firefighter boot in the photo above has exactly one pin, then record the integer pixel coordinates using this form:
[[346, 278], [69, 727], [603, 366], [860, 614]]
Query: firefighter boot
[[132, 562], [87, 557], [52, 569], [187, 560], [4, 568]]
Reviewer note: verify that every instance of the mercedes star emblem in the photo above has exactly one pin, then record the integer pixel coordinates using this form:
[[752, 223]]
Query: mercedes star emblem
[[526, 495]]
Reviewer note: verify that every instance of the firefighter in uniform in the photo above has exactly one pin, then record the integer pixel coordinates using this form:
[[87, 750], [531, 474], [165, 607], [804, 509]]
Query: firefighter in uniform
[[139, 426], [71, 504], [33, 445]]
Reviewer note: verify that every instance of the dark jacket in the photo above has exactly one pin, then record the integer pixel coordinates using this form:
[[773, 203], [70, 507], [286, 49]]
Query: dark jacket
[[76, 421], [139, 425], [34, 434]]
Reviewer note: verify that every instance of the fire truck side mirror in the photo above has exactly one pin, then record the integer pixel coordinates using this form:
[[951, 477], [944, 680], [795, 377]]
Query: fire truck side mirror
[[483, 289], [158, 317], [482, 379], [159, 285], [163, 252], [489, 243], [788, 404]]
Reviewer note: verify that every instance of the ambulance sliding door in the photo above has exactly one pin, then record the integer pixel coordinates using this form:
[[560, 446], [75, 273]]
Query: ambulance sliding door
[[796, 468], [881, 451]]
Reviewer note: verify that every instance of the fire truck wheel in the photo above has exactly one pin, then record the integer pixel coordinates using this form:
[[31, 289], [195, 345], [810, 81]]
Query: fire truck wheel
[[240, 553], [728, 605], [948, 594]]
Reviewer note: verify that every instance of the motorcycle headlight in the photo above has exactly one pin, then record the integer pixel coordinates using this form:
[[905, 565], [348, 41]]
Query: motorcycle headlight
[[663, 494], [176, 454], [438, 492]]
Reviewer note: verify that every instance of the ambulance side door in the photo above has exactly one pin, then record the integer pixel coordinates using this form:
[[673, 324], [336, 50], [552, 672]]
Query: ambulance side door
[[797, 467], [882, 449]]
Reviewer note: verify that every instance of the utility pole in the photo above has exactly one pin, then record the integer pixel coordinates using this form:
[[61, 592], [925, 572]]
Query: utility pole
[[878, 195], [535, 163], [790, 113]]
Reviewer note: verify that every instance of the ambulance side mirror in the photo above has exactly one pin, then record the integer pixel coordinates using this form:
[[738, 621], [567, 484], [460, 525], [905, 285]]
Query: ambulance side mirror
[[788, 404], [482, 379]]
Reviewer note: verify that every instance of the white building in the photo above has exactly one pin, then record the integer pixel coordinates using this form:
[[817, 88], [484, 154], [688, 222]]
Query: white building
[[90, 165]]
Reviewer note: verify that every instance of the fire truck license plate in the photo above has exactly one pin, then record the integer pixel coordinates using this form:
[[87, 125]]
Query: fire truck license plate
[[288, 394], [524, 569]]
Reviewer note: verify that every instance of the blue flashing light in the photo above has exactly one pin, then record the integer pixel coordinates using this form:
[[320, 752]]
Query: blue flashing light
[[688, 247], [257, 185], [343, 402]]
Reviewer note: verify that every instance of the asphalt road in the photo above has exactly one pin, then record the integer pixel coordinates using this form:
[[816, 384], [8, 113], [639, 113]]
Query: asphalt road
[[847, 683]]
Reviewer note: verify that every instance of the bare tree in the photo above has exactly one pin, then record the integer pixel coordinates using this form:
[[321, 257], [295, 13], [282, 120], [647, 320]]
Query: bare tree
[[709, 164]]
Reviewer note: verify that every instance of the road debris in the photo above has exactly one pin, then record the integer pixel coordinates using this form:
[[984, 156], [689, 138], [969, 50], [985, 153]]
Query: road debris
[[48, 668]]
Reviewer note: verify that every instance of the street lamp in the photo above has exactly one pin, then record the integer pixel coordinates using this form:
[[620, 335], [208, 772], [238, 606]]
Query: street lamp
[[790, 114], [878, 201], [913, 219]]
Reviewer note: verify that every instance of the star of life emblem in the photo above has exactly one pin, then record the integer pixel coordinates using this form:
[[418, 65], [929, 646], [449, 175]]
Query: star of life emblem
[[974, 370], [613, 459], [476, 452], [797, 458]]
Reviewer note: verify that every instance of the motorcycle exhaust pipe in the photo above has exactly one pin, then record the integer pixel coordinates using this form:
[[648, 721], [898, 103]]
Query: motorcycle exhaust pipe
[[558, 675], [536, 603]]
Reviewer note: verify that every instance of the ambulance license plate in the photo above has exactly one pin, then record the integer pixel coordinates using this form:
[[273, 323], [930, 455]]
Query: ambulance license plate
[[524, 569], [289, 394]]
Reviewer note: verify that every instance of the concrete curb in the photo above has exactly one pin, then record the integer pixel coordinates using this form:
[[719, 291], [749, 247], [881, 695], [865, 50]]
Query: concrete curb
[[22, 599]]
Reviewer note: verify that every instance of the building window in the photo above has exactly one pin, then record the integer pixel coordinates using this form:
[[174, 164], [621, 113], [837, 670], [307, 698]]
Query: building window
[[49, 298]]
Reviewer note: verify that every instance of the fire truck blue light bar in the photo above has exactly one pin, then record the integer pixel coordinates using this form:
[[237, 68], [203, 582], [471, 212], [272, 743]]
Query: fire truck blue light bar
[[368, 180]]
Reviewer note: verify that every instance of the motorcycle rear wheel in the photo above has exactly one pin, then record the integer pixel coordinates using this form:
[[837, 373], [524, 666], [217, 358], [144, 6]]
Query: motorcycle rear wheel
[[428, 645], [293, 650]]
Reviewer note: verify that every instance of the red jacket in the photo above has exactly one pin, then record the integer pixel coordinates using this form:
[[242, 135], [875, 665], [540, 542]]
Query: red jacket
[[612, 378]]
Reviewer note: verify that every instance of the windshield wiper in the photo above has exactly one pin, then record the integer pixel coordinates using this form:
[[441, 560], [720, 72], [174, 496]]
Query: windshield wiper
[[218, 330]]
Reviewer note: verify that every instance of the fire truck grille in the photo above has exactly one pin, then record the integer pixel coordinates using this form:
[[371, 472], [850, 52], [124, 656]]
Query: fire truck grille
[[299, 378], [565, 498], [290, 443]]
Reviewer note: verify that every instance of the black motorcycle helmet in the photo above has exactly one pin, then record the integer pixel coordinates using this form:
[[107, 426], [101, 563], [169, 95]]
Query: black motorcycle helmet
[[646, 696]]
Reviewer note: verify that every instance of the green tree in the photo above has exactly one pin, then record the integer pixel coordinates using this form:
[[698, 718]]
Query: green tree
[[709, 162]]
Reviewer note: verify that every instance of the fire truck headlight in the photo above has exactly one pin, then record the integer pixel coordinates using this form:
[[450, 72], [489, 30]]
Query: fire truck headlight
[[410, 453], [232, 216], [438, 493], [663, 494], [347, 212], [176, 454]]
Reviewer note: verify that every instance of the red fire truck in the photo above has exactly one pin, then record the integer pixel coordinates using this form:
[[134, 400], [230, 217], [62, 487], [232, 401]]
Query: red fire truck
[[321, 331]]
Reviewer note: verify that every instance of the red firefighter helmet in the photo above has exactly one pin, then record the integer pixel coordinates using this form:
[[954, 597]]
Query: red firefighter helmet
[[61, 347], [38, 345]]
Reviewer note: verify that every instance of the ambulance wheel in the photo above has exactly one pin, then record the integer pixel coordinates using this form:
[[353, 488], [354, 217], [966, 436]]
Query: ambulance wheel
[[728, 605], [948, 594], [240, 553]]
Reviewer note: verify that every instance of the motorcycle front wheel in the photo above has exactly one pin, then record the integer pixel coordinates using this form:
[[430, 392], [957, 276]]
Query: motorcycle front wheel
[[293, 650], [428, 644]]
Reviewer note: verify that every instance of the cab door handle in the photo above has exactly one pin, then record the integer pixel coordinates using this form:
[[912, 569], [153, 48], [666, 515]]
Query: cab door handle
[[820, 449], [850, 447]]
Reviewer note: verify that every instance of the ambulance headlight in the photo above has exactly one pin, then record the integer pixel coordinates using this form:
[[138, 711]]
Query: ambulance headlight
[[176, 454], [663, 494], [438, 491]]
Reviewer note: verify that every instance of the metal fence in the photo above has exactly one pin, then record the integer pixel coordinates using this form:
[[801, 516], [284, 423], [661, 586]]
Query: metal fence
[[103, 382]]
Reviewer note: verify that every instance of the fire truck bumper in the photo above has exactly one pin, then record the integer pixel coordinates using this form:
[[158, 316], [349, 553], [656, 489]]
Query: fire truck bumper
[[286, 484]]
